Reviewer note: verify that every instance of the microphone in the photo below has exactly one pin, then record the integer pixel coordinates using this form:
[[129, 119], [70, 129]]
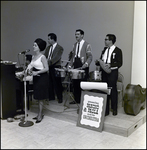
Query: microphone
[[24, 52]]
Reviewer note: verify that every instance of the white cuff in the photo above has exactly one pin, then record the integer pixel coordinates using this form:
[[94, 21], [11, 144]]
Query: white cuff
[[86, 64], [114, 68]]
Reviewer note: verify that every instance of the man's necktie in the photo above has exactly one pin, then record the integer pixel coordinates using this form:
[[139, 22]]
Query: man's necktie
[[51, 51], [107, 54], [78, 49]]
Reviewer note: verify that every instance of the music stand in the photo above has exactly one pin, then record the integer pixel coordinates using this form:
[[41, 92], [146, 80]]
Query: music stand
[[25, 122]]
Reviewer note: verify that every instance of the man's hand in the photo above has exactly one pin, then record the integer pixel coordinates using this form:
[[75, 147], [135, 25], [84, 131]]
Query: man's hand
[[97, 62], [84, 66]]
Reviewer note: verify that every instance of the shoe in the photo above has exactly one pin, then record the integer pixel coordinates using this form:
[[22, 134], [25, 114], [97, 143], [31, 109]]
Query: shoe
[[114, 113], [35, 118], [38, 121], [73, 102]]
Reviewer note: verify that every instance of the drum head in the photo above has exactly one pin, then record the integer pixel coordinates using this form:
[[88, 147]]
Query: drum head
[[76, 74]]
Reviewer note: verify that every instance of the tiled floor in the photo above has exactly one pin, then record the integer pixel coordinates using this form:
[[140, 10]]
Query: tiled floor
[[55, 133]]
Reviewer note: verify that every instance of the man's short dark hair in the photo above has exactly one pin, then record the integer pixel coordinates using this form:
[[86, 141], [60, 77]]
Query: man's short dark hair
[[53, 36], [112, 38], [81, 31]]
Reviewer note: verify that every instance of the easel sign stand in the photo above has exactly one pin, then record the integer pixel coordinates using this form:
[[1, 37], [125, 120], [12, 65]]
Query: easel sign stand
[[25, 122], [93, 105]]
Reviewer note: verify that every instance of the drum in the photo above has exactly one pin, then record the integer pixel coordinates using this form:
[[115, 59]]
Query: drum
[[60, 72], [95, 75], [76, 74]]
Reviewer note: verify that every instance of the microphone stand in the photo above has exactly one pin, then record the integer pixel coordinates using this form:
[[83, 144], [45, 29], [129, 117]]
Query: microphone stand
[[25, 122]]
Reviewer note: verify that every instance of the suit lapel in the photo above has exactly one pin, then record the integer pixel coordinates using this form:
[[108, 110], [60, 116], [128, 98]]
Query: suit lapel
[[113, 54], [54, 51]]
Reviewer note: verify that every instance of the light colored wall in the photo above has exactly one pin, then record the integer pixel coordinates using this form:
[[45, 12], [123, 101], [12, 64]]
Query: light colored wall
[[138, 74], [24, 21]]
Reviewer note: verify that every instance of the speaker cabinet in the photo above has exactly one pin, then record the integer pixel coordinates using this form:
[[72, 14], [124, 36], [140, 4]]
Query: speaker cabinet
[[8, 91]]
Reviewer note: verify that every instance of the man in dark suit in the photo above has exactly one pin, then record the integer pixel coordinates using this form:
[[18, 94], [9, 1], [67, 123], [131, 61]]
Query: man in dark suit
[[111, 60], [81, 58], [53, 54]]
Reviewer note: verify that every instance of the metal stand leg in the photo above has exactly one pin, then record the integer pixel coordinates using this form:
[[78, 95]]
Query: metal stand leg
[[69, 94]]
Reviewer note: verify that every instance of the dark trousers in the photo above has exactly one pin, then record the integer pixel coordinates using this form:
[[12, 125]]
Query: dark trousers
[[111, 80], [55, 84], [76, 82], [77, 90]]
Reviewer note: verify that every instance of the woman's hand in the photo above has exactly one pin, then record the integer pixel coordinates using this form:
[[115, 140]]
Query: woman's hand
[[29, 72], [35, 73]]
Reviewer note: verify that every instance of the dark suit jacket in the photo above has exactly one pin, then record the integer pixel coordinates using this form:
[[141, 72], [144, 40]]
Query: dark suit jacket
[[56, 56], [116, 57]]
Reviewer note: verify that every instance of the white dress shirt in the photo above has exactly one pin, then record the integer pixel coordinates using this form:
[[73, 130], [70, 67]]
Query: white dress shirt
[[109, 56], [54, 45], [81, 44]]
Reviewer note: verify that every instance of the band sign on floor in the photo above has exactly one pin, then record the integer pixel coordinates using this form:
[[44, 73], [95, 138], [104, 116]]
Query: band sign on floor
[[92, 110]]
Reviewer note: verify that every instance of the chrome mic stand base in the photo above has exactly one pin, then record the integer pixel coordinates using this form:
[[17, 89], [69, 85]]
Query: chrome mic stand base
[[26, 123]]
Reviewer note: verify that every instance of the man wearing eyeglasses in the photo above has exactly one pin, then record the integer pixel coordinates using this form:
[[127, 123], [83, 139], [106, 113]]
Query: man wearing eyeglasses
[[110, 61]]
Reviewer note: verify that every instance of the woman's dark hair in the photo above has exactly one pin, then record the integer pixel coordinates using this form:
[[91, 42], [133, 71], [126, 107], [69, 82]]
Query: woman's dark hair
[[112, 38], [53, 36], [41, 44]]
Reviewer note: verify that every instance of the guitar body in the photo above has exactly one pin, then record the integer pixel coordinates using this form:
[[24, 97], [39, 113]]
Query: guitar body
[[134, 99], [104, 67]]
